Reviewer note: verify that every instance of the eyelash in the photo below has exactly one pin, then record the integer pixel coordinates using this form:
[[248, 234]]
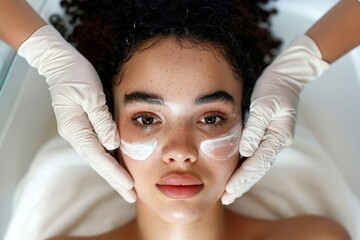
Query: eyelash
[[144, 126], [219, 123]]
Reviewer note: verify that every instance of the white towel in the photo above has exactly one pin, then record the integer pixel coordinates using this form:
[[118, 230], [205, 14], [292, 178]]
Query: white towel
[[61, 194], [303, 180]]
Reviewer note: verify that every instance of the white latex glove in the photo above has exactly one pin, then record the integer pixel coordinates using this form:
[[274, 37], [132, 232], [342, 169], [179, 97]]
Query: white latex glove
[[79, 104], [271, 122]]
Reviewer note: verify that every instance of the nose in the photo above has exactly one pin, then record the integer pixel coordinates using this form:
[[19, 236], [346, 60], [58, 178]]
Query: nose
[[180, 148]]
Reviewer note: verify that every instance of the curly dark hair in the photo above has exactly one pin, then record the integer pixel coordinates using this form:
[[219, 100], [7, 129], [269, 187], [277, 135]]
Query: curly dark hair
[[107, 32]]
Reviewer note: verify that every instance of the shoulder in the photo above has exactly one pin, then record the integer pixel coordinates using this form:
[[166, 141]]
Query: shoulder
[[308, 227]]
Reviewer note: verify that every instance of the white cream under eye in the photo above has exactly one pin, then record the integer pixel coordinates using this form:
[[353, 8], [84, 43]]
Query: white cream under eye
[[140, 150], [217, 148], [223, 147]]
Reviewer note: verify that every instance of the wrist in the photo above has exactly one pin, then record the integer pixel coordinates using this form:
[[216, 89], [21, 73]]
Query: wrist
[[292, 70], [56, 59], [299, 64]]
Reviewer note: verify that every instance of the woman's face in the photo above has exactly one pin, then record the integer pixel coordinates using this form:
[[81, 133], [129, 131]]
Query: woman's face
[[178, 111]]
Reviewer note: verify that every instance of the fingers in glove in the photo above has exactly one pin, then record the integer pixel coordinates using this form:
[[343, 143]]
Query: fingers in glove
[[112, 171], [250, 172], [254, 130], [78, 132], [228, 198], [128, 195], [102, 121], [280, 132], [109, 170], [255, 167]]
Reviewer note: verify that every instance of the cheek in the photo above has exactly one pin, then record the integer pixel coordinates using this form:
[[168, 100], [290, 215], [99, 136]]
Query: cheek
[[141, 171], [138, 171], [130, 165], [227, 168], [221, 171]]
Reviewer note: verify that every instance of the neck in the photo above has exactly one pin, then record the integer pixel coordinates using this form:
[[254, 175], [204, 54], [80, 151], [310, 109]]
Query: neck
[[210, 226]]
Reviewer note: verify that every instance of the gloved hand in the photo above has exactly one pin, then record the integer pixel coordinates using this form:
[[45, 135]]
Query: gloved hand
[[79, 104], [271, 122]]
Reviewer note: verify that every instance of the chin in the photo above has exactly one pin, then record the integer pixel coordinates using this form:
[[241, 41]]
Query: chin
[[181, 216], [182, 212]]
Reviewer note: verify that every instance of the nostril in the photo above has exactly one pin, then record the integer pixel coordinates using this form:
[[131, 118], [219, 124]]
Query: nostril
[[188, 160], [180, 160]]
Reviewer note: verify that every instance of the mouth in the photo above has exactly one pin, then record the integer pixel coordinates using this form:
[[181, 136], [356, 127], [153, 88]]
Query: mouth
[[180, 186]]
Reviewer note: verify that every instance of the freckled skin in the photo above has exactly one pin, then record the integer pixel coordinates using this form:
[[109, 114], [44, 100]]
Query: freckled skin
[[180, 76]]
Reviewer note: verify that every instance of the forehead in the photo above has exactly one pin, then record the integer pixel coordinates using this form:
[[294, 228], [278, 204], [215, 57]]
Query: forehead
[[178, 69]]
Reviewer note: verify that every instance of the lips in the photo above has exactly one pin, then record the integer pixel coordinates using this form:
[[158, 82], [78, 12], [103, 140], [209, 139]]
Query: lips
[[180, 186]]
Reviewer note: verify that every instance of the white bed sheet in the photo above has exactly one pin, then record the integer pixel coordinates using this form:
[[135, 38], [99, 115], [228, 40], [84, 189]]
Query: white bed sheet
[[61, 194]]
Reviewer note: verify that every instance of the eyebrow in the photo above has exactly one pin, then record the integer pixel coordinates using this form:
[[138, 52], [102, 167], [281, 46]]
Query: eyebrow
[[218, 96], [143, 97], [153, 98]]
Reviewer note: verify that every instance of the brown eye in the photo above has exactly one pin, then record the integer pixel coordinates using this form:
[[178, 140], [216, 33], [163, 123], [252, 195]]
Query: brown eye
[[212, 119], [146, 120]]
